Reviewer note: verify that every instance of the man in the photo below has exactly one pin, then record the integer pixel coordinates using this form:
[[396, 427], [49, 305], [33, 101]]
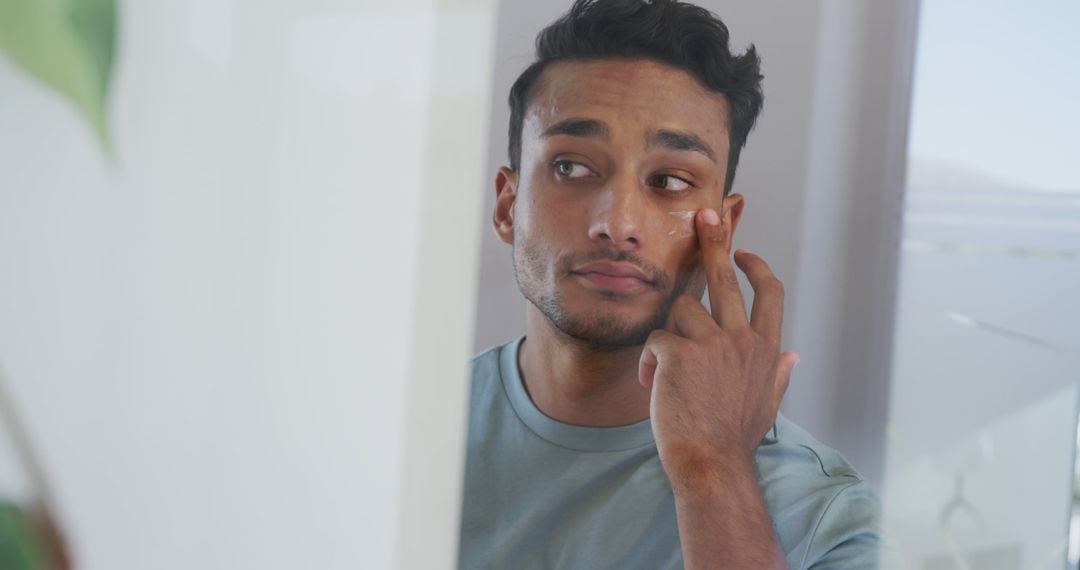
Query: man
[[631, 427]]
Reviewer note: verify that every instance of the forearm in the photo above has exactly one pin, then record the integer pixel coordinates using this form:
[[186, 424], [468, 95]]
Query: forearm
[[723, 521]]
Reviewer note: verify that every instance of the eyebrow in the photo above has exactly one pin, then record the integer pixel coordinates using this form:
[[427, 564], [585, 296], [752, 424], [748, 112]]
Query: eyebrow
[[676, 140], [590, 128]]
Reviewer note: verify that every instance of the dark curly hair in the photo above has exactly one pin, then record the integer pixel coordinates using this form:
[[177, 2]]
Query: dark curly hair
[[681, 35]]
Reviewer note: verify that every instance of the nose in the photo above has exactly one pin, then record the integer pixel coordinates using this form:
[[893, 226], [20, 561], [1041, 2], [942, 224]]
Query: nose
[[617, 216]]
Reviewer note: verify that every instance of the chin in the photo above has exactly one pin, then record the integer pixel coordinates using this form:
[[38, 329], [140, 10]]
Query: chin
[[610, 329], [608, 339]]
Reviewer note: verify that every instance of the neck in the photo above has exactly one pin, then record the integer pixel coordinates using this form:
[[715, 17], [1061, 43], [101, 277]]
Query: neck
[[577, 384]]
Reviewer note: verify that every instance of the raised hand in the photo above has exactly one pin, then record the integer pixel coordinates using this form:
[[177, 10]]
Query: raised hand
[[717, 379]]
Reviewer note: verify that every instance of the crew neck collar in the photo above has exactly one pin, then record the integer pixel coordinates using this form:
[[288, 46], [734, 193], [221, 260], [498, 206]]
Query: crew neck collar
[[575, 437]]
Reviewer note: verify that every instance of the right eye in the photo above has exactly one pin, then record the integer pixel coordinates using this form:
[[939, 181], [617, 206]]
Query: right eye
[[571, 169]]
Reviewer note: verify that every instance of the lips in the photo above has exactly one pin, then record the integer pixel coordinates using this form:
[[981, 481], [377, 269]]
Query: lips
[[613, 275], [613, 269]]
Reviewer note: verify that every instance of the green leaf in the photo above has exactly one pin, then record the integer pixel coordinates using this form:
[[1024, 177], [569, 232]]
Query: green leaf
[[67, 44]]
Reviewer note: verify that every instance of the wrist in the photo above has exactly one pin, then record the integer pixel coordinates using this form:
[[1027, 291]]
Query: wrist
[[698, 472]]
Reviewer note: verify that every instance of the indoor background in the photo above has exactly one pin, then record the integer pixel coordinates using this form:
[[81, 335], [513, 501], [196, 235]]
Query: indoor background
[[246, 254]]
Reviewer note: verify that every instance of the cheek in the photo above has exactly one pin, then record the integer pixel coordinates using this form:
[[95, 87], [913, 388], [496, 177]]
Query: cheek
[[681, 256], [531, 223], [672, 232], [528, 216], [679, 225], [534, 252]]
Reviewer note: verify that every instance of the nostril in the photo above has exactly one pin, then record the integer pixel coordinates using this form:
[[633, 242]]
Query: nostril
[[618, 237]]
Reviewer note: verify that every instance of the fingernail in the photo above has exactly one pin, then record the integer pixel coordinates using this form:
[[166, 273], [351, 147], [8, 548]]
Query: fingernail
[[710, 216]]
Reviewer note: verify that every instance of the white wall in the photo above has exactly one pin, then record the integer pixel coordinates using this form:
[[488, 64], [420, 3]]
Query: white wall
[[822, 175], [238, 345]]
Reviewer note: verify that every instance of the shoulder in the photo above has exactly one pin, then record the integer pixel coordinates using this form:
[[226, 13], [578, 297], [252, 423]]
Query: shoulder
[[486, 378], [826, 514], [485, 366], [488, 358], [788, 449]]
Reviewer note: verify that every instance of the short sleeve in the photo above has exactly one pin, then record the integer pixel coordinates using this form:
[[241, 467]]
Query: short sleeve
[[848, 534]]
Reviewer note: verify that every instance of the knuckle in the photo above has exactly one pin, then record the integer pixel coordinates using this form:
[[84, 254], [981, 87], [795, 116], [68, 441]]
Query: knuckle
[[729, 279], [686, 350], [746, 341]]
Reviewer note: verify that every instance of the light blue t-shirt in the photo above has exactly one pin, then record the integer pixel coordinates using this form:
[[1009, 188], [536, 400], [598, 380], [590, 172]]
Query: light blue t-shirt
[[544, 494]]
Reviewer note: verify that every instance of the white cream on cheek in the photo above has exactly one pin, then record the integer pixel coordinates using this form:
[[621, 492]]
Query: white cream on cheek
[[682, 224]]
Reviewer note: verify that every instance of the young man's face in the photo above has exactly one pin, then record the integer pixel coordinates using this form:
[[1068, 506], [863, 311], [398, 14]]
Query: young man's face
[[616, 158]]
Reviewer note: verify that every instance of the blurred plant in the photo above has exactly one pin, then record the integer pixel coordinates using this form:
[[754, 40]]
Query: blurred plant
[[22, 544], [68, 45], [29, 536], [19, 547]]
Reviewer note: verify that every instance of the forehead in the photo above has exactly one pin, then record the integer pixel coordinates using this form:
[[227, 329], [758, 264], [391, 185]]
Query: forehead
[[632, 96]]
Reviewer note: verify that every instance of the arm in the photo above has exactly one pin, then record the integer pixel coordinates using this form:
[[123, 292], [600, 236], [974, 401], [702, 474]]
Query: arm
[[717, 380], [722, 518]]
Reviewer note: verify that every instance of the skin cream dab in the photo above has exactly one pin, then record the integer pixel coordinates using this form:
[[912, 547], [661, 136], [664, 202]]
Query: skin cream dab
[[682, 224]]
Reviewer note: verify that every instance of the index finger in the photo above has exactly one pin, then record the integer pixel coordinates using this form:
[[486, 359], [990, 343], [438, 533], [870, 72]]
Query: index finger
[[725, 298]]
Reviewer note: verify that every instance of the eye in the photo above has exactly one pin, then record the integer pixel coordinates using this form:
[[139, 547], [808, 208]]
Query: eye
[[669, 183], [571, 169]]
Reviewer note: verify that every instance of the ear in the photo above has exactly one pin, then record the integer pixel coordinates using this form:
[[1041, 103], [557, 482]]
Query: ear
[[731, 214], [505, 195]]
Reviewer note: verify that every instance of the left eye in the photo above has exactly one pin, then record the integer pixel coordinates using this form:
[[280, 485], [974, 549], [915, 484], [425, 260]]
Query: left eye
[[670, 183]]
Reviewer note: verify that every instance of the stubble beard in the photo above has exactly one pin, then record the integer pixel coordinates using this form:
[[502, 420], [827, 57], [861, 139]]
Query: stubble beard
[[597, 329]]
